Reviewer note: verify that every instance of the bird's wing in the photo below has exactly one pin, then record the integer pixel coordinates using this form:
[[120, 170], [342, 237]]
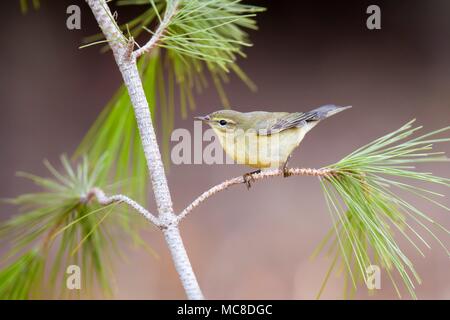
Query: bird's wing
[[283, 122]]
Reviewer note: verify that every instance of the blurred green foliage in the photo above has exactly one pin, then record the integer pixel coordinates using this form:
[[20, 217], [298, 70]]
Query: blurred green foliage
[[26, 4], [60, 226]]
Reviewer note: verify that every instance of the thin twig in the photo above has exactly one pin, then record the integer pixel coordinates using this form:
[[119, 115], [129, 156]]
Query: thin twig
[[157, 35], [256, 176], [103, 199]]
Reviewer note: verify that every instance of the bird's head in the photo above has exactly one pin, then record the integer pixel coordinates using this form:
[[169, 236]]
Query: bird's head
[[224, 120]]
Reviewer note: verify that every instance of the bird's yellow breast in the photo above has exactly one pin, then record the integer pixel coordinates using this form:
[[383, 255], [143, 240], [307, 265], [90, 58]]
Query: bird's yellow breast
[[260, 151]]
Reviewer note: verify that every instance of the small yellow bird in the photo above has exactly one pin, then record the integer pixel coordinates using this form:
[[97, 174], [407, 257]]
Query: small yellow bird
[[262, 139]]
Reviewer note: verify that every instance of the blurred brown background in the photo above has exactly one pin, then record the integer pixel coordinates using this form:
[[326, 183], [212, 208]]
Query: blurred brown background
[[243, 244]]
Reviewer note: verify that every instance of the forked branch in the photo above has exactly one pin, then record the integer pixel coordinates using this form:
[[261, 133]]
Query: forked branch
[[105, 200], [157, 35]]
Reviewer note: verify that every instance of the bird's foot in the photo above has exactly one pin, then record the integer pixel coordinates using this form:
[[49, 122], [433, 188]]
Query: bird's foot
[[286, 172], [285, 168], [248, 178]]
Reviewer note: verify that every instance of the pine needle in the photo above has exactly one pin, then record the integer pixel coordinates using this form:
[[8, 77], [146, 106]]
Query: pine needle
[[362, 199]]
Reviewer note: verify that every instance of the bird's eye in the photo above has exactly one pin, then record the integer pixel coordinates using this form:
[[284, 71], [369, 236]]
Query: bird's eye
[[223, 122]]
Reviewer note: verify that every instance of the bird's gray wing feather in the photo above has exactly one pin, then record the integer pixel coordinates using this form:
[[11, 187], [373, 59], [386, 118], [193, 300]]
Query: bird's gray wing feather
[[283, 122]]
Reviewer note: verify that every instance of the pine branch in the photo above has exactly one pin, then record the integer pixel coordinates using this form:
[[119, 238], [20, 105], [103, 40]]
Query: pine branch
[[104, 200], [254, 177], [132, 80], [366, 210], [170, 12]]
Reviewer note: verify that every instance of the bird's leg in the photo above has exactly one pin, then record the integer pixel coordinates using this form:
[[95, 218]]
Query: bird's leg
[[285, 168], [248, 177]]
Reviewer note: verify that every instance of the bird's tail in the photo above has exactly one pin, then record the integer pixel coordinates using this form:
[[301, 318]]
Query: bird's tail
[[324, 112]]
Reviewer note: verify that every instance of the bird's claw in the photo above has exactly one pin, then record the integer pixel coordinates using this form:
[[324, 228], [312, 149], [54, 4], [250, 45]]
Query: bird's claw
[[248, 178], [285, 168]]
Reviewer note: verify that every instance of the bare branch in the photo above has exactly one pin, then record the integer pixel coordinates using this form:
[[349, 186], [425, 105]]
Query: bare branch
[[103, 199], [130, 74], [256, 176], [157, 35]]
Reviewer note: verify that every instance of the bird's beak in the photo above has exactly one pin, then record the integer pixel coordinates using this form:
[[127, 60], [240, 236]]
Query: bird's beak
[[204, 118]]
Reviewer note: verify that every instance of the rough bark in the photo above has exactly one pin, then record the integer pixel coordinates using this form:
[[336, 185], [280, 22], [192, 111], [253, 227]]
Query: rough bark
[[126, 61]]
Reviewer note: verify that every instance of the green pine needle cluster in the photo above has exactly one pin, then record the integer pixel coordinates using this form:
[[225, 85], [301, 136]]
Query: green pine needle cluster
[[59, 227], [211, 30], [367, 211], [25, 4], [22, 279]]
